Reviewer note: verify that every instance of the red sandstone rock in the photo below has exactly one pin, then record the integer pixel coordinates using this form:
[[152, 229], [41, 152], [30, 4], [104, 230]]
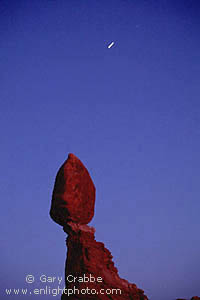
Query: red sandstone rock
[[74, 193], [87, 258], [72, 207]]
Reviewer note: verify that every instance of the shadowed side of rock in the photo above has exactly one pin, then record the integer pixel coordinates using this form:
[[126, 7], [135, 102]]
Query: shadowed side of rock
[[89, 258]]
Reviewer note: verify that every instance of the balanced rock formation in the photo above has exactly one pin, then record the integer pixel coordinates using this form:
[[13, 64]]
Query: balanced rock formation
[[90, 273]]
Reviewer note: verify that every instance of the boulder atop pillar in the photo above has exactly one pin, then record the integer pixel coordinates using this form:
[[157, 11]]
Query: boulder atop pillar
[[73, 197]]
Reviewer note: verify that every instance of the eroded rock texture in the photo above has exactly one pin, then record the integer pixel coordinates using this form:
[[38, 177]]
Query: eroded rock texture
[[87, 258], [73, 207]]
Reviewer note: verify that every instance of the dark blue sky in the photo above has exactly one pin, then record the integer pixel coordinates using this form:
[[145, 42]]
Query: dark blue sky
[[130, 113]]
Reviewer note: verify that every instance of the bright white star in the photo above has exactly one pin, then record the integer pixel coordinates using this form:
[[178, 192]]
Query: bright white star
[[109, 46]]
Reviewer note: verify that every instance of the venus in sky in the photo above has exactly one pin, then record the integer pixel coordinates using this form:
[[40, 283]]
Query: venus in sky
[[110, 45]]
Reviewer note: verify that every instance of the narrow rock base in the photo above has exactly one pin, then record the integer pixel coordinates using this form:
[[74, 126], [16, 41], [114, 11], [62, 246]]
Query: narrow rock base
[[90, 273]]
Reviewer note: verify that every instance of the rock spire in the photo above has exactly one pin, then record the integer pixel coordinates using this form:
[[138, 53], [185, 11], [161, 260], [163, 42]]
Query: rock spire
[[90, 273]]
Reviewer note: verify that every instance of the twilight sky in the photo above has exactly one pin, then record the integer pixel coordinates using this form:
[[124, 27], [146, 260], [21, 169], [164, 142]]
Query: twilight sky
[[130, 113]]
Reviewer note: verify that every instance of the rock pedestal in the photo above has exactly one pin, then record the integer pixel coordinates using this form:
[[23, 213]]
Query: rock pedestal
[[90, 273]]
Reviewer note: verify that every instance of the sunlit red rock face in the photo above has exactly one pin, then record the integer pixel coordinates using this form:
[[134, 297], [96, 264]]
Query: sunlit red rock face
[[91, 262], [73, 207], [90, 273], [74, 193]]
